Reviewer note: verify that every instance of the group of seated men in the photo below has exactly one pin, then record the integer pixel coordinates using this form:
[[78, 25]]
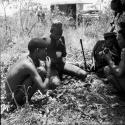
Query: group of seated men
[[108, 58], [43, 68], [46, 63]]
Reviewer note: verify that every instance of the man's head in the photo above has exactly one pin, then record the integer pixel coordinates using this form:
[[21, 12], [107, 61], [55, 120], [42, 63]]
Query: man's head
[[56, 30], [38, 53], [110, 38], [37, 47]]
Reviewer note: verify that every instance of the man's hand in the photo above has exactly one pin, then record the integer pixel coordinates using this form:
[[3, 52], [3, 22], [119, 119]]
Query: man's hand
[[108, 57], [109, 60], [92, 67], [106, 54], [41, 70], [48, 62], [48, 66]]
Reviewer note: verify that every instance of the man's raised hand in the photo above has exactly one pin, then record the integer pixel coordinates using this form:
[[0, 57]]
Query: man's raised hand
[[48, 62]]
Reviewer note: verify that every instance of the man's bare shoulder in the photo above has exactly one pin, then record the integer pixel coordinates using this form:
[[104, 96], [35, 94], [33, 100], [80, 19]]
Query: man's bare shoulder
[[24, 63], [22, 67], [28, 64]]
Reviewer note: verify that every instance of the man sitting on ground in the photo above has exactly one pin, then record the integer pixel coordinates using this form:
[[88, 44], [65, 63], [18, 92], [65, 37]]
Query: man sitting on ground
[[24, 74], [101, 47], [117, 76]]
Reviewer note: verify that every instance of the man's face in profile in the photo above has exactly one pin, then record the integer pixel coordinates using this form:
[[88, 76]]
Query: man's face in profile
[[109, 42], [41, 53]]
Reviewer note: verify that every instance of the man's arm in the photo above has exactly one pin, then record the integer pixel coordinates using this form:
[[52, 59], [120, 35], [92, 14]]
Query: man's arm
[[36, 77], [61, 50], [60, 57], [116, 70], [38, 80]]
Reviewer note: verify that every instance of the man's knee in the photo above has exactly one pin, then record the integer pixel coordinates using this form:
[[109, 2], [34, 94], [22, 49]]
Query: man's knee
[[82, 72], [20, 98], [54, 82], [74, 70]]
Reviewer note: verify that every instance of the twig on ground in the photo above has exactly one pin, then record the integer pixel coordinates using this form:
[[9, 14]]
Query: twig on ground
[[12, 95]]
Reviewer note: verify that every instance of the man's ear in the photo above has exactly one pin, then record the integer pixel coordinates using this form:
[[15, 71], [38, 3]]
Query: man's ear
[[36, 52]]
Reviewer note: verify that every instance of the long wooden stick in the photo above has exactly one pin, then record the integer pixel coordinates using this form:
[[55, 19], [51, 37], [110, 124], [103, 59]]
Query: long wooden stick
[[83, 54]]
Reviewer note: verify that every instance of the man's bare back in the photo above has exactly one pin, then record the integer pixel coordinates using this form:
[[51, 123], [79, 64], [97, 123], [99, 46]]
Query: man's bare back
[[19, 72]]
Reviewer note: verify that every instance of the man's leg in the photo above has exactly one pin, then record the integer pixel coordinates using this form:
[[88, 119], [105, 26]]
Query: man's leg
[[73, 70], [28, 88], [31, 88]]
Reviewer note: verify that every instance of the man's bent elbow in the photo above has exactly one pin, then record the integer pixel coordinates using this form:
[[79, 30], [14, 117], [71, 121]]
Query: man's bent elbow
[[40, 84]]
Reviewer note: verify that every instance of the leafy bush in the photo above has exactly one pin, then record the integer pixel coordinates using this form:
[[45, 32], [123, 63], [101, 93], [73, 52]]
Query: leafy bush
[[96, 27]]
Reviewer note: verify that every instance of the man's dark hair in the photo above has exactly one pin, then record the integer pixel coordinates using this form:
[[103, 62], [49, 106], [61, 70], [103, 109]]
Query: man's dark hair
[[37, 43], [117, 6], [56, 26]]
